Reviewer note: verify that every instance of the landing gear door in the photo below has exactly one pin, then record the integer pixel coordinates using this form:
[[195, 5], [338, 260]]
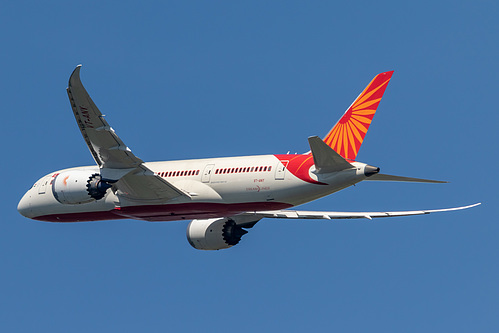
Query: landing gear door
[[280, 170], [207, 173]]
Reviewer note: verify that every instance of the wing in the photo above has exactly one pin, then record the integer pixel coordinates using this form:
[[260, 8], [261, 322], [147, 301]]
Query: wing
[[297, 214], [143, 185], [118, 165], [106, 147]]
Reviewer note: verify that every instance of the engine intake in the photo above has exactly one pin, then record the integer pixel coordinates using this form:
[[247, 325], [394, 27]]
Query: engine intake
[[96, 187]]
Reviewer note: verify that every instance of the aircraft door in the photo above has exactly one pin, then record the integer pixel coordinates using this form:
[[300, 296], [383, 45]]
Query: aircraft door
[[280, 170], [207, 173]]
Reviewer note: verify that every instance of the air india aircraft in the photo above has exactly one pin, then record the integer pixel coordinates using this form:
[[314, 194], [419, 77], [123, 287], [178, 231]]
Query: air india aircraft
[[222, 196]]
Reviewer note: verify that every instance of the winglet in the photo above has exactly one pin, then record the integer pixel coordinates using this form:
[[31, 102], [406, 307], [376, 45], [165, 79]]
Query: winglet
[[326, 160], [75, 75], [347, 135]]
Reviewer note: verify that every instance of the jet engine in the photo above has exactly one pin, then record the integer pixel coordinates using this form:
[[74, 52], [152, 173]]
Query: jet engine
[[78, 187], [214, 234]]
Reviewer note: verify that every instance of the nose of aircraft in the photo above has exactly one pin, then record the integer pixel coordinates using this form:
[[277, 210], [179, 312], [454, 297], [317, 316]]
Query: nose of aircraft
[[24, 206]]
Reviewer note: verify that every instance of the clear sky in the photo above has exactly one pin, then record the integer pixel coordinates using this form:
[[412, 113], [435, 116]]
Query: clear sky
[[196, 79]]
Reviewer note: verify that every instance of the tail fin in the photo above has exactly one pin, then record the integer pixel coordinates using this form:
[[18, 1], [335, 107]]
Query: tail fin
[[347, 135]]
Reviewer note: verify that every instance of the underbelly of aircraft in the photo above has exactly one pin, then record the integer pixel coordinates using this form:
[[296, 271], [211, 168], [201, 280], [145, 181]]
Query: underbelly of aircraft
[[168, 212]]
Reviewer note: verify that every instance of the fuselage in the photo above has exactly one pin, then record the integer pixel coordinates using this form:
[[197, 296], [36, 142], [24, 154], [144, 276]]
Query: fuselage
[[214, 187]]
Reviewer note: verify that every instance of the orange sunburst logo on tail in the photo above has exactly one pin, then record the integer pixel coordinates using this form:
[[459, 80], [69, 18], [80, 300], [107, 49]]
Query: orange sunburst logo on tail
[[347, 135]]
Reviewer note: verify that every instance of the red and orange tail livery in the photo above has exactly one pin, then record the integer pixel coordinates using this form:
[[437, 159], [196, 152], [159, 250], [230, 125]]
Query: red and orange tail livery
[[347, 135]]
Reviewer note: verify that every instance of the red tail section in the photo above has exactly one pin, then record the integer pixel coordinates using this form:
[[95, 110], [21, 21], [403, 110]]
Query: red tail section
[[347, 135]]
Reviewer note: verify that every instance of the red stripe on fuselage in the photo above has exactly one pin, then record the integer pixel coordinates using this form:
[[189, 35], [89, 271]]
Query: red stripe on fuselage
[[171, 212]]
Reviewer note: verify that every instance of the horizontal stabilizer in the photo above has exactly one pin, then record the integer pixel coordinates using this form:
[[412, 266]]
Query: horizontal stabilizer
[[326, 160], [391, 178]]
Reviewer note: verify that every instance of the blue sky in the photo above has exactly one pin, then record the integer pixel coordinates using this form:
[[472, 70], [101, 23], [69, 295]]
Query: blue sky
[[222, 78]]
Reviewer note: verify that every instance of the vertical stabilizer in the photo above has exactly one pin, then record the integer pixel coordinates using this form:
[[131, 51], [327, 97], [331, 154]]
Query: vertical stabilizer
[[347, 135]]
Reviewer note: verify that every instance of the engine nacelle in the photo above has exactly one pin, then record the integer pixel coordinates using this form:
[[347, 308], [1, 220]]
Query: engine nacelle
[[214, 234], [78, 187]]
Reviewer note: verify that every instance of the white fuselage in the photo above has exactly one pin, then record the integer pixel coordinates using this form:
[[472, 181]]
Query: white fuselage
[[214, 187]]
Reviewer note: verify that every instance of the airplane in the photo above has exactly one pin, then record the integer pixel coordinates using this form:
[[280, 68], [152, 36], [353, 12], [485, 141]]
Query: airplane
[[223, 197]]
